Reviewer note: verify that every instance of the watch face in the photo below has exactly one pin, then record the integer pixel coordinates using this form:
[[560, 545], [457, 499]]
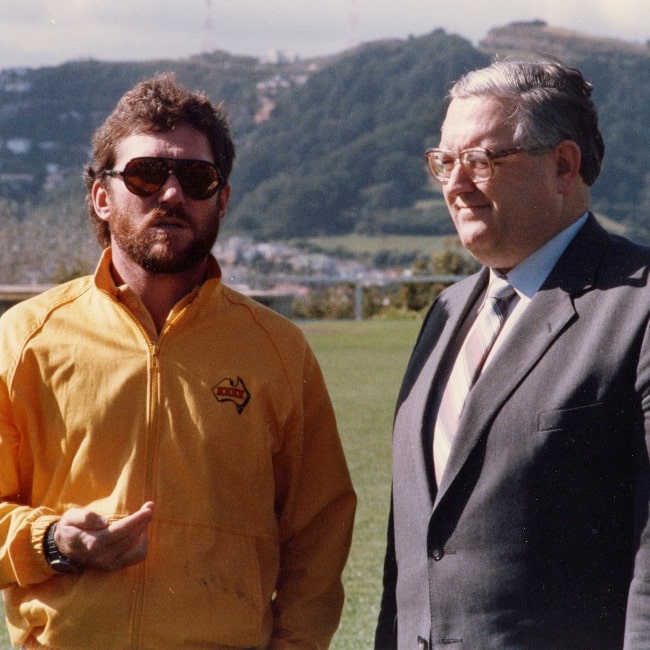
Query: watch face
[[64, 565]]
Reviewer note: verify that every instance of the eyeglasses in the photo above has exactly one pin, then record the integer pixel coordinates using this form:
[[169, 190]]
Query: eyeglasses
[[199, 179], [477, 163]]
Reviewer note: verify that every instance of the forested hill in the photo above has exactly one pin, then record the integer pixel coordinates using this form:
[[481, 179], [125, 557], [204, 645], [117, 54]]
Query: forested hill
[[329, 145]]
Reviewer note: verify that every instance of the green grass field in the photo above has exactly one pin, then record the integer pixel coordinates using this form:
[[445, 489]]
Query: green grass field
[[363, 364]]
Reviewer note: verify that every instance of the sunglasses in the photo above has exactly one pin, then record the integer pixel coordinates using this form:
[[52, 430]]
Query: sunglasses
[[198, 179]]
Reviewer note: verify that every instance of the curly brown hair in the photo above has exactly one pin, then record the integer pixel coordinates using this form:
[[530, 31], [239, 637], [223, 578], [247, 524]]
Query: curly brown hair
[[155, 105]]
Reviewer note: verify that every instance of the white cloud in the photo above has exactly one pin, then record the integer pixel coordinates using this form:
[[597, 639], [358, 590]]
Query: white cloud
[[48, 32]]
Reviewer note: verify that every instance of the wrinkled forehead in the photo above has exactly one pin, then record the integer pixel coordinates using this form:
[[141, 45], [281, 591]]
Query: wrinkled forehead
[[477, 122], [181, 142]]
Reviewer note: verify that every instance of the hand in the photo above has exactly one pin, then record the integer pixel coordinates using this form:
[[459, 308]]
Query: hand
[[91, 540]]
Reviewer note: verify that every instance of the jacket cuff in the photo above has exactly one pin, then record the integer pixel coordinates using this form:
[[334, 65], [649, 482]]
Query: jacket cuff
[[38, 529]]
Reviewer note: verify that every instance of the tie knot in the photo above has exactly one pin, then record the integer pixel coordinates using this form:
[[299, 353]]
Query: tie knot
[[500, 289]]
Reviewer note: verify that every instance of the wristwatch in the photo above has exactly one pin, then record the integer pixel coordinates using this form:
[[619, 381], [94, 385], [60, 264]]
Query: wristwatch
[[55, 558]]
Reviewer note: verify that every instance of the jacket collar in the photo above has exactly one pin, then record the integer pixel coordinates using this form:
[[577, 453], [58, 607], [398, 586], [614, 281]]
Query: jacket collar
[[105, 281]]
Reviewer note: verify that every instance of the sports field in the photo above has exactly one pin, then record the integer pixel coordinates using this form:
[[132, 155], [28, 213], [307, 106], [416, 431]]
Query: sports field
[[363, 363]]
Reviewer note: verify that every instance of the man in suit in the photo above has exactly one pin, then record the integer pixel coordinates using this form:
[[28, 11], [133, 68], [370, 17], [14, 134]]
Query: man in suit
[[521, 477]]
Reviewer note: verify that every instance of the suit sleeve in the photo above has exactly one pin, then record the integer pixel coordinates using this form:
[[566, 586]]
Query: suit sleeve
[[637, 627]]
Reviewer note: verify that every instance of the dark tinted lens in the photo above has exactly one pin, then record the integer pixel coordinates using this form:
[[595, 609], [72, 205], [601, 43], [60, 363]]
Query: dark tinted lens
[[199, 179], [144, 176]]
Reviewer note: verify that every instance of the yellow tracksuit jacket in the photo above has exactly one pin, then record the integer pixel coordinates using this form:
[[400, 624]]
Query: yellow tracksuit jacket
[[223, 420]]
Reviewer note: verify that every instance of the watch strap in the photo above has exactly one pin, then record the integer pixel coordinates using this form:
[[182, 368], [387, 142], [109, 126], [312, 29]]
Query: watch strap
[[54, 557]]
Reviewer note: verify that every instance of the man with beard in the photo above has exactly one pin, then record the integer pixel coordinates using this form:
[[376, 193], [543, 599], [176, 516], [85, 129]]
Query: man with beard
[[172, 475]]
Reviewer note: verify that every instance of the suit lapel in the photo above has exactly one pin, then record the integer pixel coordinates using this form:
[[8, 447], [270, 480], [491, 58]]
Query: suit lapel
[[412, 451], [441, 327], [540, 327]]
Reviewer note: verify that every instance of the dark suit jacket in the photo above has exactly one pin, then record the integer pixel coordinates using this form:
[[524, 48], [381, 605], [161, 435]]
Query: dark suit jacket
[[537, 536]]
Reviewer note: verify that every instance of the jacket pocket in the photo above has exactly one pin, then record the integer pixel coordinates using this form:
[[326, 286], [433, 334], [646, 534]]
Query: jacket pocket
[[580, 418], [212, 579]]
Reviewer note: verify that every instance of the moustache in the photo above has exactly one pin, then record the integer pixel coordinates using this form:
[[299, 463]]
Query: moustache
[[176, 213]]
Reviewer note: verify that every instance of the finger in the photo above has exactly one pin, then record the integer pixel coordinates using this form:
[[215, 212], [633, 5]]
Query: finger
[[72, 527], [89, 539], [121, 536], [84, 519], [119, 556], [133, 555], [143, 515], [128, 527]]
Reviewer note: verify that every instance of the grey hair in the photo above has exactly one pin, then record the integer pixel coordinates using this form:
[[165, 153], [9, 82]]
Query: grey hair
[[551, 102]]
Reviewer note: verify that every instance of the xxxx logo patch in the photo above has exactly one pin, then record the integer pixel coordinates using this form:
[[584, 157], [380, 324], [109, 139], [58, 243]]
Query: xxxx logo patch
[[229, 390]]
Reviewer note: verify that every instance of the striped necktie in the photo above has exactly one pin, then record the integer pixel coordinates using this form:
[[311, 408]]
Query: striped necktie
[[467, 368]]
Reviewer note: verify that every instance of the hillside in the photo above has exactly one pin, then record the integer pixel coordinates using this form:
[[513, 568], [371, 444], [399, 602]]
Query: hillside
[[343, 152], [537, 36], [324, 146], [48, 115]]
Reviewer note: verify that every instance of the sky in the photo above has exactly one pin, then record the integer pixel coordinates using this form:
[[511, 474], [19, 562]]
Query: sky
[[35, 33]]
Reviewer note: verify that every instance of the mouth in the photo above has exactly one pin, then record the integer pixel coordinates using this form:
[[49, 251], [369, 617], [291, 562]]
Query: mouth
[[167, 221], [471, 209], [168, 225]]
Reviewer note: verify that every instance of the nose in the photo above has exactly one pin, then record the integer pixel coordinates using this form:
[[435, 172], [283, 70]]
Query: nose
[[171, 191], [459, 181]]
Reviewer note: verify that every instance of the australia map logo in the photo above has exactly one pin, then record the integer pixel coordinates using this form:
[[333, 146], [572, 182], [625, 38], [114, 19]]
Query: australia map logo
[[235, 391]]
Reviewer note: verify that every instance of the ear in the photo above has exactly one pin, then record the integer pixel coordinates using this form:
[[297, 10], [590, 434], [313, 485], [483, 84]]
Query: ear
[[568, 158], [222, 201], [101, 200]]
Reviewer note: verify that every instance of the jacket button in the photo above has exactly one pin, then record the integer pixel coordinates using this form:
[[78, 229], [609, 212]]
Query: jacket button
[[437, 554]]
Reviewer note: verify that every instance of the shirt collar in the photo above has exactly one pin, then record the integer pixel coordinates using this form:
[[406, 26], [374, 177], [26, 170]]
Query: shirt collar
[[529, 275]]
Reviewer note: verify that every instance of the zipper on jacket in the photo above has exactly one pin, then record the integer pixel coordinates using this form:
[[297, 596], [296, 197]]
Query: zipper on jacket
[[153, 347], [151, 445], [151, 432], [152, 418]]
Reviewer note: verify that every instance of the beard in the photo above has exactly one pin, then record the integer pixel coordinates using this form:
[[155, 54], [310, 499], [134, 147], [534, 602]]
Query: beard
[[161, 252]]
